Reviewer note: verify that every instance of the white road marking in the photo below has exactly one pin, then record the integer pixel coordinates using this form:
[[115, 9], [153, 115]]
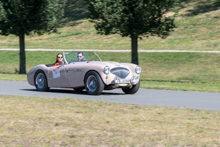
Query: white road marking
[[113, 50]]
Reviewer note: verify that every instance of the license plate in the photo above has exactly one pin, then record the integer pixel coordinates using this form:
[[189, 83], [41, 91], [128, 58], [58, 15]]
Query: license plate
[[123, 81]]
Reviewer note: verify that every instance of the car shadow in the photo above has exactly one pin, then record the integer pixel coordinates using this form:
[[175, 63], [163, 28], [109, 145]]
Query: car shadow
[[70, 91]]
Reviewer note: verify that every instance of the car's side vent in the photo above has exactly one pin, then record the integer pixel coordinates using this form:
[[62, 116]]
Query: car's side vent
[[120, 72]]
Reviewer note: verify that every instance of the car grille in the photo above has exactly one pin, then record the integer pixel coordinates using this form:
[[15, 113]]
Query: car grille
[[120, 72]]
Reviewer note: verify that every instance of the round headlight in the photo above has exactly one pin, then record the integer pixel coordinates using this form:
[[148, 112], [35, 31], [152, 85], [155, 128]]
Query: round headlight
[[138, 69], [106, 69]]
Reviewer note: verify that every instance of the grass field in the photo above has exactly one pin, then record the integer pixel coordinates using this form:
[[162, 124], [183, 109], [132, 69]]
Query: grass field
[[174, 71], [28, 121], [198, 28]]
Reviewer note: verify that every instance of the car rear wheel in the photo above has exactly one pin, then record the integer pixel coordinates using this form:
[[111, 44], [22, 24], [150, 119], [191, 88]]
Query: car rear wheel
[[131, 90], [41, 81], [93, 83]]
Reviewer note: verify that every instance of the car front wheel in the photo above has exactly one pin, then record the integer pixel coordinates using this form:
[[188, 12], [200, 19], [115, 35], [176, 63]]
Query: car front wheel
[[93, 83], [131, 90], [41, 81]]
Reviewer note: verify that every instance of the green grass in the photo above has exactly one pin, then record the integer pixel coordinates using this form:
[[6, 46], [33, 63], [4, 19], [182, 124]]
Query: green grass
[[34, 121], [174, 71], [13, 77], [197, 29]]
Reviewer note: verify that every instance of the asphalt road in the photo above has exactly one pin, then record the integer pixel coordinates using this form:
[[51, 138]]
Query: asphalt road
[[193, 100]]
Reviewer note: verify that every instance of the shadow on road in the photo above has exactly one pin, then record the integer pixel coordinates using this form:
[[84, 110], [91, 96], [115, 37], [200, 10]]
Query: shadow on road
[[66, 91]]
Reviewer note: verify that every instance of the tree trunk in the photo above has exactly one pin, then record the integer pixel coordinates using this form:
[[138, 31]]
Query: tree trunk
[[22, 54], [134, 48]]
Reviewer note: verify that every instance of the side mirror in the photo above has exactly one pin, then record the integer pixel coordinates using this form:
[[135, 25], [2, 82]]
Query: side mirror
[[61, 63]]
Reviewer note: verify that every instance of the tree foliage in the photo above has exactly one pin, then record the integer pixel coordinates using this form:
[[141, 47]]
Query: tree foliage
[[29, 16], [132, 18], [25, 17]]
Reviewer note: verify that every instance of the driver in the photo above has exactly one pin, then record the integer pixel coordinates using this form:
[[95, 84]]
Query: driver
[[80, 56]]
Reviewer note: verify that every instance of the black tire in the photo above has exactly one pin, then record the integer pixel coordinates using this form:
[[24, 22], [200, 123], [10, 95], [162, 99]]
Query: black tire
[[131, 90], [78, 89], [40, 81], [93, 83]]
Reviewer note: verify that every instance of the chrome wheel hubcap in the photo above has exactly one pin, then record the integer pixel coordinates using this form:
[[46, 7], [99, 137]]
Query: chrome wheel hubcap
[[40, 80], [91, 83]]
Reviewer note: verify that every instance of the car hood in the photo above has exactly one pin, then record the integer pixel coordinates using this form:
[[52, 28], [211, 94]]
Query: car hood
[[111, 64]]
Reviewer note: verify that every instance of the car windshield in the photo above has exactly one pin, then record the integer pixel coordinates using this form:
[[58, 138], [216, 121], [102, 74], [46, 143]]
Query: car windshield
[[80, 56]]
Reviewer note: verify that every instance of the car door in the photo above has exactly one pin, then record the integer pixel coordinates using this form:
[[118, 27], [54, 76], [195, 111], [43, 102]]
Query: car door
[[58, 76], [76, 74]]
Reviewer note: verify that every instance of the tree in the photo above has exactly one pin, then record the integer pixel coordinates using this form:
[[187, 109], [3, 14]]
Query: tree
[[132, 18], [26, 17]]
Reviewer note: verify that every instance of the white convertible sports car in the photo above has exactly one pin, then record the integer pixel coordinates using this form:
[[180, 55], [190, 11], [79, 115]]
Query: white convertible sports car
[[90, 73]]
